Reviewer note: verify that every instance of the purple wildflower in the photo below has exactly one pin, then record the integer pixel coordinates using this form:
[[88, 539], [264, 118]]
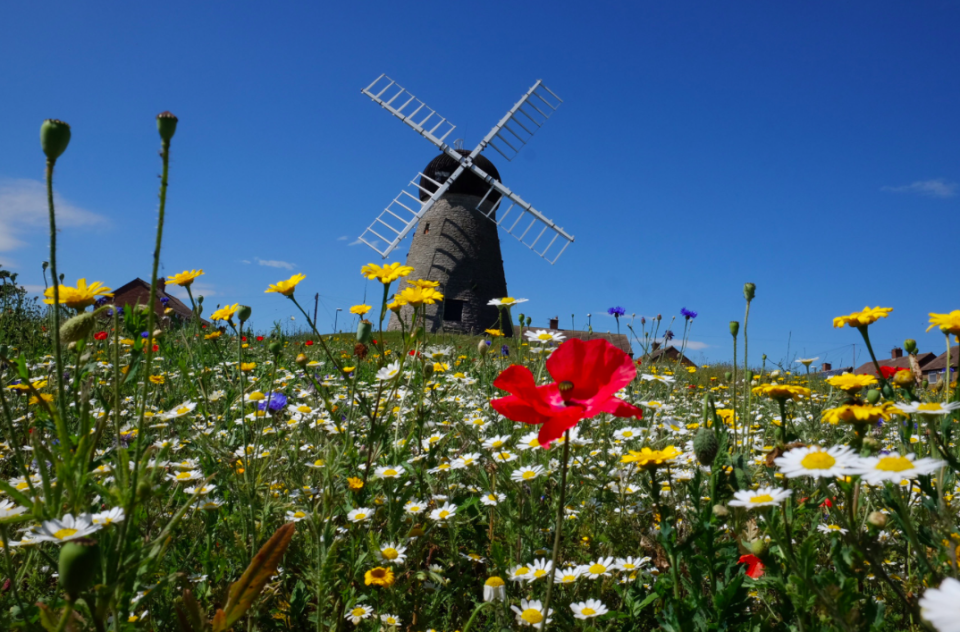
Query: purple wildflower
[[686, 313], [275, 402], [616, 312]]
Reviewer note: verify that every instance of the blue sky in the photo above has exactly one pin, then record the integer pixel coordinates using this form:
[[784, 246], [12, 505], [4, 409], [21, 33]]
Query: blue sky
[[811, 148]]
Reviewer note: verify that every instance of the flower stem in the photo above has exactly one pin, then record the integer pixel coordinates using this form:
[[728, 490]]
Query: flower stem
[[57, 349], [556, 535]]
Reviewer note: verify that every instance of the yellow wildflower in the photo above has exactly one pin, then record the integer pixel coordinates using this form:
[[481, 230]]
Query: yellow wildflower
[[420, 295], [286, 287], [212, 335], [781, 391], [386, 274], [78, 297], [423, 283], [226, 312], [248, 366], [862, 318], [360, 310], [851, 383], [859, 413], [354, 483], [649, 459], [378, 576], [185, 278], [948, 323]]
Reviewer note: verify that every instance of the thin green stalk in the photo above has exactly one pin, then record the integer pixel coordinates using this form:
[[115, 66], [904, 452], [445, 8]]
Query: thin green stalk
[[746, 368], [559, 527], [57, 349]]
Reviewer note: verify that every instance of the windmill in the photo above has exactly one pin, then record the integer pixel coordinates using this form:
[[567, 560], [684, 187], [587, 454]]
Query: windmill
[[452, 209]]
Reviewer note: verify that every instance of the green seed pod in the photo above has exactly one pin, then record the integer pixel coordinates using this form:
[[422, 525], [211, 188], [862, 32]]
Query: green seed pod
[[78, 327], [887, 391], [705, 446], [54, 138], [877, 519], [427, 371], [166, 125], [79, 566], [749, 291], [873, 396], [734, 328], [529, 320], [748, 375], [758, 546], [483, 347], [910, 345], [243, 314], [728, 375], [275, 347], [364, 331]]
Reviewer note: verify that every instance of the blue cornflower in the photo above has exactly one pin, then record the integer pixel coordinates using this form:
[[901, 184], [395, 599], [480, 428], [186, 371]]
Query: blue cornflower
[[488, 342], [101, 301], [505, 350], [686, 313], [119, 312], [616, 312], [144, 334], [668, 335], [165, 300], [275, 401]]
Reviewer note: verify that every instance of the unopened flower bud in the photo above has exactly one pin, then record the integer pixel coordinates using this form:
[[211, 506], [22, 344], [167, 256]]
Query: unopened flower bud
[[166, 125], [749, 291], [521, 319], [903, 378], [79, 566], [877, 519], [910, 345], [721, 511], [54, 138], [78, 327], [873, 396], [244, 313], [427, 370], [302, 359], [364, 331], [529, 320], [482, 347], [659, 317], [728, 375], [758, 546], [734, 328], [275, 347]]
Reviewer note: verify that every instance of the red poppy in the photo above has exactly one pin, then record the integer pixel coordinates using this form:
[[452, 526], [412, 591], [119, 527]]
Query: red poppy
[[754, 566], [889, 371], [587, 374], [374, 341], [826, 503], [309, 343], [259, 338], [100, 335], [416, 354], [243, 338], [156, 348]]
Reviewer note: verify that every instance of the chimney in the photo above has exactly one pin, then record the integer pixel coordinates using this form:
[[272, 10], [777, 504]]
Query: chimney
[[826, 367], [162, 284], [655, 346], [897, 352], [555, 322]]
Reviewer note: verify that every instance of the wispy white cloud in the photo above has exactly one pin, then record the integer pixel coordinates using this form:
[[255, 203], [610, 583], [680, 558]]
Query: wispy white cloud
[[245, 261], [355, 243], [692, 345], [34, 289], [937, 187], [23, 211], [272, 263], [343, 238], [198, 288]]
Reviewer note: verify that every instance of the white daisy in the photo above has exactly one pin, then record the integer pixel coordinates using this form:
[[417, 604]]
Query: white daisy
[[928, 408], [831, 528], [296, 516], [588, 609], [360, 514], [567, 575], [392, 553], [531, 613], [521, 573], [389, 471], [183, 409], [630, 564], [504, 457], [493, 499], [414, 507], [762, 497], [358, 614], [66, 529], [389, 372], [817, 462], [600, 568], [543, 336], [941, 606], [9, 509], [894, 467], [390, 620], [108, 517], [525, 474], [506, 301], [497, 442], [494, 589], [444, 512]]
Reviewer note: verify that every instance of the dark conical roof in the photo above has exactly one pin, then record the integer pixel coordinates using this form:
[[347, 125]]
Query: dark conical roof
[[441, 167]]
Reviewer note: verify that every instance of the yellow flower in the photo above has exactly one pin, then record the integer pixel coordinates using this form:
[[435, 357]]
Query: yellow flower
[[649, 459], [378, 576], [212, 336], [781, 391], [185, 278], [726, 414], [862, 318], [386, 274], [248, 366], [859, 413], [423, 283], [157, 379], [360, 309], [354, 483], [78, 297], [420, 295], [396, 305], [948, 323], [496, 333], [226, 312], [287, 287], [47, 397], [851, 383]]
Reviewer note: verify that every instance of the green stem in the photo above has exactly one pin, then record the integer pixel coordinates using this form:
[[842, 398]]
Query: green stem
[[559, 525], [746, 369], [57, 349]]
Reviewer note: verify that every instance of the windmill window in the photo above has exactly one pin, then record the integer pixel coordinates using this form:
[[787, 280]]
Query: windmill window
[[453, 310], [426, 228]]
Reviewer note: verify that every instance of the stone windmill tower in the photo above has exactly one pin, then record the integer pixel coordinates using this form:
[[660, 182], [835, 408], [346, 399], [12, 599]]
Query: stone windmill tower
[[454, 207]]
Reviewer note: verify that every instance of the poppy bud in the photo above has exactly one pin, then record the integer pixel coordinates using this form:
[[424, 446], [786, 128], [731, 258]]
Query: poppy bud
[[873, 396], [758, 546], [79, 564], [643, 321], [78, 327], [302, 359], [529, 320], [244, 313], [166, 125], [521, 319], [877, 519], [482, 347], [427, 371], [659, 317], [364, 331], [54, 138], [705, 446], [887, 391], [275, 347], [903, 378], [728, 375], [749, 291], [721, 511], [734, 328], [910, 345]]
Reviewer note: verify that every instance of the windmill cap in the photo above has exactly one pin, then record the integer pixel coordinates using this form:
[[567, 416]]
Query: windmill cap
[[468, 183]]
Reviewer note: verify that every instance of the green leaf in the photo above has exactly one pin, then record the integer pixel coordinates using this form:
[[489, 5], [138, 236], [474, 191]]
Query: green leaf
[[246, 589]]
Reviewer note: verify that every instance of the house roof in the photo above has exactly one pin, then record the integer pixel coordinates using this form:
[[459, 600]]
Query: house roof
[[654, 355], [138, 290], [621, 341], [940, 363], [923, 360]]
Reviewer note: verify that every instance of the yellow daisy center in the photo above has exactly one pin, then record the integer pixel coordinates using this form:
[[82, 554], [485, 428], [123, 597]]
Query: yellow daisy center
[[389, 553], [589, 612], [539, 573], [930, 406], [545, 337], [818, 461], [528, 475], [443, 514], [62, 534], [390, 472], [762, 498], [495, 582], [532, 615], [598, 569], [299, 514], [894, 464], [523, 570], [360, 516], [358, 612]]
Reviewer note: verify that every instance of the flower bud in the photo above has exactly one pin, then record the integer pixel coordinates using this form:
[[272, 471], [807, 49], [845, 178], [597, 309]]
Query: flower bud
[[871, 445], [903, 378], [749, 291], [721, 511], [873, 396], [302, 359], [54, 138], [78, 327], [887, 391], [877, 519], [521, 319], [482, 347], [427, 370], [705, 446], [910, 345], [734, 328], [166, 125], [728, 375], [364, 331], [529, 320], [79, 566], [244, 313], [758, 546], [275, 347]]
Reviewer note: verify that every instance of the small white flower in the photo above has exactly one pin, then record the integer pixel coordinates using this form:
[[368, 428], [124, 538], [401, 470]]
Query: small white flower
[[296, 516], [389, 471], [531, 613], [928, 408], [894, 467], [506, 301], [600, 568], [389, 372], [65, 529], [521, 573], [492, 499], [941, 606], [763, 497], [392, 553], [544, 336], [414, 507], [567, 575], [358, 614], [444, 512], [817, 462], [360, 514], [390, 620], [588, 609], [183, 409], [494, 589], [9, 509], [831, 528], [108, 517], [525, 474]]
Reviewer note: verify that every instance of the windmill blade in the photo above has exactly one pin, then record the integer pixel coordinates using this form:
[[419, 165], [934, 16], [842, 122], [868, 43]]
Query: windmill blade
[[402, 214], [523, 120], [398, 101], [521, 220]]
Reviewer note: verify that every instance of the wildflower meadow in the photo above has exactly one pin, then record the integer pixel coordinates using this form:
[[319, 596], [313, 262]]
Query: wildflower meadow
[[166, 474]]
